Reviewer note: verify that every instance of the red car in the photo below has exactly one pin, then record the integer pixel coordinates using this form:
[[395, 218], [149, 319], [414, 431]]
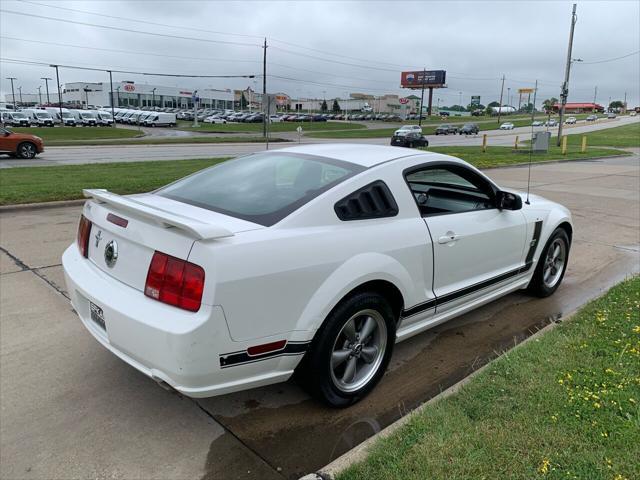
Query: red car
[[21, 145]]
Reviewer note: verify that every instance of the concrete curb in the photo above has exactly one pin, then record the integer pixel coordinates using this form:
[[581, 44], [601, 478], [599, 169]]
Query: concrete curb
[[24, 207], [360, 452]]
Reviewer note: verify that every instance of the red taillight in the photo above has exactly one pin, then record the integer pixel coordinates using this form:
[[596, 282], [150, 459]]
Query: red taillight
[[174, 281], [115, 219], [84, 229]]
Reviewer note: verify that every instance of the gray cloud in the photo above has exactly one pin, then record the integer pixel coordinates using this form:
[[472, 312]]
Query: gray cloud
[[476, 42]]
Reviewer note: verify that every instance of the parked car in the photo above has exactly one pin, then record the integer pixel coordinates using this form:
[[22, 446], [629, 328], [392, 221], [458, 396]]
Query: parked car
[[38, 118], [15, 119], [536, 123], [22, 145], [507, 126], [275, 119], [214, 119], [592, 118], [406, 129], [444, 114], [345, 255], [446, 129], [161, 119], [85, 118], [611, 115], [410, 139], [469, 129], [551, 123], [571, 121]]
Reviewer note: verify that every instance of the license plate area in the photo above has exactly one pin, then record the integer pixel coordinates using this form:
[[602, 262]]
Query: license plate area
[[97, 315]]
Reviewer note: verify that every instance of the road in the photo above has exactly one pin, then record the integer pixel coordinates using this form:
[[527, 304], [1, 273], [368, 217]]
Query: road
[[71, 409], [133, 153]]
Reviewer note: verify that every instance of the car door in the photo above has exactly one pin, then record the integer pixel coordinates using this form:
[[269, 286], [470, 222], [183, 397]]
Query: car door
[[476, 246]]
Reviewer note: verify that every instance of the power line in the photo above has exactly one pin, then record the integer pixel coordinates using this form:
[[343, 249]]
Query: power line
[[610, 59], [130, 72], [143, 21], [120, 29]]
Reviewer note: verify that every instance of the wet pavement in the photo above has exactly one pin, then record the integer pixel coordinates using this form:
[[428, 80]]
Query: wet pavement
[[71, 409]]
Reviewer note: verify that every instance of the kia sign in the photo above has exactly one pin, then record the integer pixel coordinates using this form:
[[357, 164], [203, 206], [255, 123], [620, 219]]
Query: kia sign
[[129, 87], [428, 78], [404, 101]]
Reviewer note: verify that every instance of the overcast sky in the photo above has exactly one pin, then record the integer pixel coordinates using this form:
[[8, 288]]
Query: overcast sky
[[340, 46]]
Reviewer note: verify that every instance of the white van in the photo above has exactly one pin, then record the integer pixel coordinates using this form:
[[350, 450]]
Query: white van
[[144, 116], [120, 114], [85, 118], [105, 119], [15, 119], [162, 119], [67, 119], [39, 118]]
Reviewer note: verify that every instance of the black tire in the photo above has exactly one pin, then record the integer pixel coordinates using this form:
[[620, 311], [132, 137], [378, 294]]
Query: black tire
[[538, 286], [26, 150], [316, 373]]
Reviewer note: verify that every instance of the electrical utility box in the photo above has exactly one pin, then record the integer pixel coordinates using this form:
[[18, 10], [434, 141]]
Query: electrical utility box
[[540, 141]]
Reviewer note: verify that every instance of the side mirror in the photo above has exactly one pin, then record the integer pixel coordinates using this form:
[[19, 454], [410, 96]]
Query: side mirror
[[508, 201]]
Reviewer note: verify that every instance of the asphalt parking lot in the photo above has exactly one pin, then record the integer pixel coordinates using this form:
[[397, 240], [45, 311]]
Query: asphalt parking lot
[[71, 409]]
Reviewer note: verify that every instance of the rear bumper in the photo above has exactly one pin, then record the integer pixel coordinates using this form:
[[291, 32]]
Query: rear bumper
[[183, 349]]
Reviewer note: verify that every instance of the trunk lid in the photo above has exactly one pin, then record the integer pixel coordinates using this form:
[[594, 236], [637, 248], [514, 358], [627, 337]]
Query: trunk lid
[[148, 223]]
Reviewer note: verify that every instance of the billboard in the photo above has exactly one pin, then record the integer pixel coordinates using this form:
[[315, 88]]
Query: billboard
[[430, 78], [475, 100]]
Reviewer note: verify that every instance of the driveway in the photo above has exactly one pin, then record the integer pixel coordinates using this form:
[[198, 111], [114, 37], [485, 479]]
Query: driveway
[[70, 409]]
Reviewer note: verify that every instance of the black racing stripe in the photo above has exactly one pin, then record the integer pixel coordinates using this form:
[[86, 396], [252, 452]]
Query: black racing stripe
[[421, 307], [242, 357], [537, 230]]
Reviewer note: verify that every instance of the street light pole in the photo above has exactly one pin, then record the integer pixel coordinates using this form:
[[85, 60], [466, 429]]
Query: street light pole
[[46, 82], [118, 95], [59, 91], [13, 95], [153, 97], [565, 86], [195, 108], [40, 93], [20, 91]]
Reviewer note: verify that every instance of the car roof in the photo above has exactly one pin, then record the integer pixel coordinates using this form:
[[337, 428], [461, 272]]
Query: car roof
[[358, 153]]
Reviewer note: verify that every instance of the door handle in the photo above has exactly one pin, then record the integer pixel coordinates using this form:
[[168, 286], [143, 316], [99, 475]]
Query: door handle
[[449, 237]]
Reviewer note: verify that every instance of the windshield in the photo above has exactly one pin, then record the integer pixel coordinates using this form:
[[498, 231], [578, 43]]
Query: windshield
[[18, 115], [106, 116], [262, 188], [87, 115], [66, 115], [42, 115]]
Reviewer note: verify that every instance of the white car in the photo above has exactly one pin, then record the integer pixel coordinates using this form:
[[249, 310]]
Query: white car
[[405, 129], [536, 123], [570, 121], [214, 119], [507, 126], [314, 259], [551, 123], [275, 118]]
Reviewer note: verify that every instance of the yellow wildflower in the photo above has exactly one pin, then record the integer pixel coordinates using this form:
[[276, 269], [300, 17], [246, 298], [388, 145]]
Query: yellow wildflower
[[544, 466]]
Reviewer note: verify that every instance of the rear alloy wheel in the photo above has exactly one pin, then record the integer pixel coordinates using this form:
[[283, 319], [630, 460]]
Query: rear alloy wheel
[[552, 265], [27, 150], [351, 351]]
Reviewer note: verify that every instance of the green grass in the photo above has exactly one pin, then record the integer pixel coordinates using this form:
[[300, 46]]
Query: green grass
[[273, 128], [169, 140], [624, 136], [60, 135], [45, 184], [564, 406], [502, 156]]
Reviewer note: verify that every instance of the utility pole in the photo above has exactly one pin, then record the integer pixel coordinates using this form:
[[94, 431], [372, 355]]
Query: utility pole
[[624, 106], [13, 95], [424, 74], [59, 92], [565, 86], [501, 94], [40, 93], [113, 113], [264, 89], [595, 94], [20, 91], [195, 108], [46, 82]]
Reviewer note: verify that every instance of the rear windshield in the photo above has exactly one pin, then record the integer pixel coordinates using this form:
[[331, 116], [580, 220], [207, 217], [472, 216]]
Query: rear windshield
[[262, 188]]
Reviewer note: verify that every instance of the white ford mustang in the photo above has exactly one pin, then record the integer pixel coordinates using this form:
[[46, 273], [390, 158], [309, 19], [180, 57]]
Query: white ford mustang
[[312, 259]]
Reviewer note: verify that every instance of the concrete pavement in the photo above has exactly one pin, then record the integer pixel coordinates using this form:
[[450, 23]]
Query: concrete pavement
[[135, 153], [70, 409]]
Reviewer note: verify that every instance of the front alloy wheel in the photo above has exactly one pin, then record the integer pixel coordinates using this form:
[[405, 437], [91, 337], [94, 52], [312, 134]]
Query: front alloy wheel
[[551, 265], [27, 150]]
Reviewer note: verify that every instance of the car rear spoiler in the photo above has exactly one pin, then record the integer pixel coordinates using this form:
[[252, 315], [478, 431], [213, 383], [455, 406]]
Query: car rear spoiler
[[194, 227]]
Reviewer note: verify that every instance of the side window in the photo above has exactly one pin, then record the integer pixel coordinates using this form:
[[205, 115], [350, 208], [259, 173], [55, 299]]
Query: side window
[[449, 189]]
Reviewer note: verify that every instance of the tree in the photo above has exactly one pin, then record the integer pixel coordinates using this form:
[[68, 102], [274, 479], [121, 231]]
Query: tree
[[324, 106], [336, 106], [457, 108], [475, 106], [493, 104], [527, 108], [549, 103], [243, 102], [616, 104]]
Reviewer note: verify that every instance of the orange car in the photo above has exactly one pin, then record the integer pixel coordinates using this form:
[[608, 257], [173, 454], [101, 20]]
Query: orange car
[[21, 145]]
